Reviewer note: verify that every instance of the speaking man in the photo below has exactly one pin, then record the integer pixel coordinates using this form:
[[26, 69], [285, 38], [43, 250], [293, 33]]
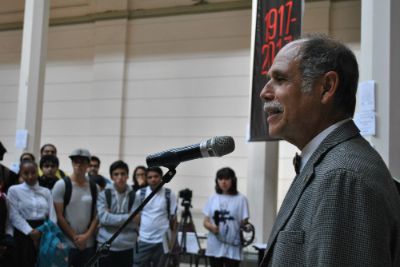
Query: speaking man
[[342, 208]]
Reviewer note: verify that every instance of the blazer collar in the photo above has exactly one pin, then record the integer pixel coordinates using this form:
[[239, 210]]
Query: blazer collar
[[344, 132]]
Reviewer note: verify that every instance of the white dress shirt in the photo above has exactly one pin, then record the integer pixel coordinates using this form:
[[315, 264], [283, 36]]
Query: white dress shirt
[[29, 203]]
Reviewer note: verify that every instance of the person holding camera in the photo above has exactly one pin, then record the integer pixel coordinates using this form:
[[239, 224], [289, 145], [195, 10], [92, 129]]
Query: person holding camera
[[225, 212]]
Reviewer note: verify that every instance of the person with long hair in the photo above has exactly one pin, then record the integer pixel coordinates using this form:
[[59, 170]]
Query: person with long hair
[[225, 212], [139, 177]]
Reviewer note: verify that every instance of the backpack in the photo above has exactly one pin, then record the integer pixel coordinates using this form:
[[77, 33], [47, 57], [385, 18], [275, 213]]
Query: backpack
[[131, 196], [53, 250], [68, 193]]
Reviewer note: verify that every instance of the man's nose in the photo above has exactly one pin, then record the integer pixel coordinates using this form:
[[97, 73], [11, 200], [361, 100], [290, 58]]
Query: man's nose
[[267, 93]]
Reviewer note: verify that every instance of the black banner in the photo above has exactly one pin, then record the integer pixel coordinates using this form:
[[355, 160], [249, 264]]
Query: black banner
[[278, 22]]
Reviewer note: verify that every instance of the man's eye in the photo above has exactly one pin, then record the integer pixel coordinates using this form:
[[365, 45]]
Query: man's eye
[[280, 79]]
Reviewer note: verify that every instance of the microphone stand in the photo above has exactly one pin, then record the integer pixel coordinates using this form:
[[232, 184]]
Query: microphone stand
[[103, 250]]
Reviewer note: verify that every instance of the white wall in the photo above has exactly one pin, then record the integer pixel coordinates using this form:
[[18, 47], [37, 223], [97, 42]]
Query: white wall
[[187, 80]]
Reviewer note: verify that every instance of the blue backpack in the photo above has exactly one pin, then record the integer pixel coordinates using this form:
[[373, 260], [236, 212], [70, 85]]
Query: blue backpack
[[53, 251]]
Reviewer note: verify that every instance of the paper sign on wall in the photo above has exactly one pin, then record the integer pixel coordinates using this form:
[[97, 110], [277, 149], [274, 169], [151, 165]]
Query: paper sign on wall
[[364, 118], [367, 96], [21, 139], [365, 121]]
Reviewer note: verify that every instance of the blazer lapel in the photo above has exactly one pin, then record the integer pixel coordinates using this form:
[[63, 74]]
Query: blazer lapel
[[346, 131]]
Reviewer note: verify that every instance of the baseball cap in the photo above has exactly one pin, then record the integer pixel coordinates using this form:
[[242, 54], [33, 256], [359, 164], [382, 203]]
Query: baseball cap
[[80, 152]]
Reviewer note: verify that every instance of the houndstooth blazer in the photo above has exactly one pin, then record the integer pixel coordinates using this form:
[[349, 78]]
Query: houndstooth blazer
[[341, 210]]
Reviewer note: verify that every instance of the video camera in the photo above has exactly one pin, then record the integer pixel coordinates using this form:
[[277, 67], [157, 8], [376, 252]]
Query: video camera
[[186, 195]]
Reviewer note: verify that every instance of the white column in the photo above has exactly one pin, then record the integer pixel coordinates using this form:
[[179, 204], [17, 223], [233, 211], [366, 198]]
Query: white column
[[32, 73], [380, 61], [262, 187]]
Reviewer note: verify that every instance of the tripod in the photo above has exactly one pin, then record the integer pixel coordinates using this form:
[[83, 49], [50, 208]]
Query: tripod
[[185, 225]]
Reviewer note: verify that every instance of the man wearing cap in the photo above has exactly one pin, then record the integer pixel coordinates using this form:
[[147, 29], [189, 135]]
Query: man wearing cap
[[75, 204]]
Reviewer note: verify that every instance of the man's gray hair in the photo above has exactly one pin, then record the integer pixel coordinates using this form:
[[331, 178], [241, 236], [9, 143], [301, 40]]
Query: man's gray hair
[[319, 54]]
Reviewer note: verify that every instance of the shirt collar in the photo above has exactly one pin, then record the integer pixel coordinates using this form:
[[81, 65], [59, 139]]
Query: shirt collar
[[33, 187], [127, 189], [309, 149]]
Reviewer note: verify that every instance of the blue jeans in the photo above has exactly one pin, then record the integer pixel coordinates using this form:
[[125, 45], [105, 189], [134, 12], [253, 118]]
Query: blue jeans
[[147, 253]]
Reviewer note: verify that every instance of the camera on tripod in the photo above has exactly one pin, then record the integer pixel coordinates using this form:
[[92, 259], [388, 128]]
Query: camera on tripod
[[186, 195]]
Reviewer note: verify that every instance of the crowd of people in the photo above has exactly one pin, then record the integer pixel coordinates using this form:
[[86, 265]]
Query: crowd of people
[[89, 208]]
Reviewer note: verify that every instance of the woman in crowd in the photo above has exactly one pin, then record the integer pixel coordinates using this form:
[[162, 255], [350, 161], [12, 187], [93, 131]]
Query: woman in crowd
[[25, 156], [30, 205], [225, 212], [7, 244], [139, 178]]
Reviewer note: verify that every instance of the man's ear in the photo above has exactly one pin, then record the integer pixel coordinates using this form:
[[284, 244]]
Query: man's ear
[[330, 83]]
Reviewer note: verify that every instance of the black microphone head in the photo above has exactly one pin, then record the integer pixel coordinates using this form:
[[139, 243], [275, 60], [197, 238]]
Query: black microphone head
[[222, 145], [214, 147], [165, 158]]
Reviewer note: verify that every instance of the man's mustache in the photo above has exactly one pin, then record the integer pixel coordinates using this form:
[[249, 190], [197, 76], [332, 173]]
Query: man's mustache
[[272, 106]]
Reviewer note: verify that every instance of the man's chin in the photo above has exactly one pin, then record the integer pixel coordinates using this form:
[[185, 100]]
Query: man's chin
[[273, 133], [120, 187]]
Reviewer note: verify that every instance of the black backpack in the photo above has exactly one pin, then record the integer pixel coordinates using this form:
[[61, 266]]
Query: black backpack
[[68, 193]]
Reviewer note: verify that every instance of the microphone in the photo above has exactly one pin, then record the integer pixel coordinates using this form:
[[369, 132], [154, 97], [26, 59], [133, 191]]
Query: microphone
[[217, 217], [214, 147]]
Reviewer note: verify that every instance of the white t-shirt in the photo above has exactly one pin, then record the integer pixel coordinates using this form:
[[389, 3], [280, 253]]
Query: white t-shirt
[[231, 210], [154, 221]]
